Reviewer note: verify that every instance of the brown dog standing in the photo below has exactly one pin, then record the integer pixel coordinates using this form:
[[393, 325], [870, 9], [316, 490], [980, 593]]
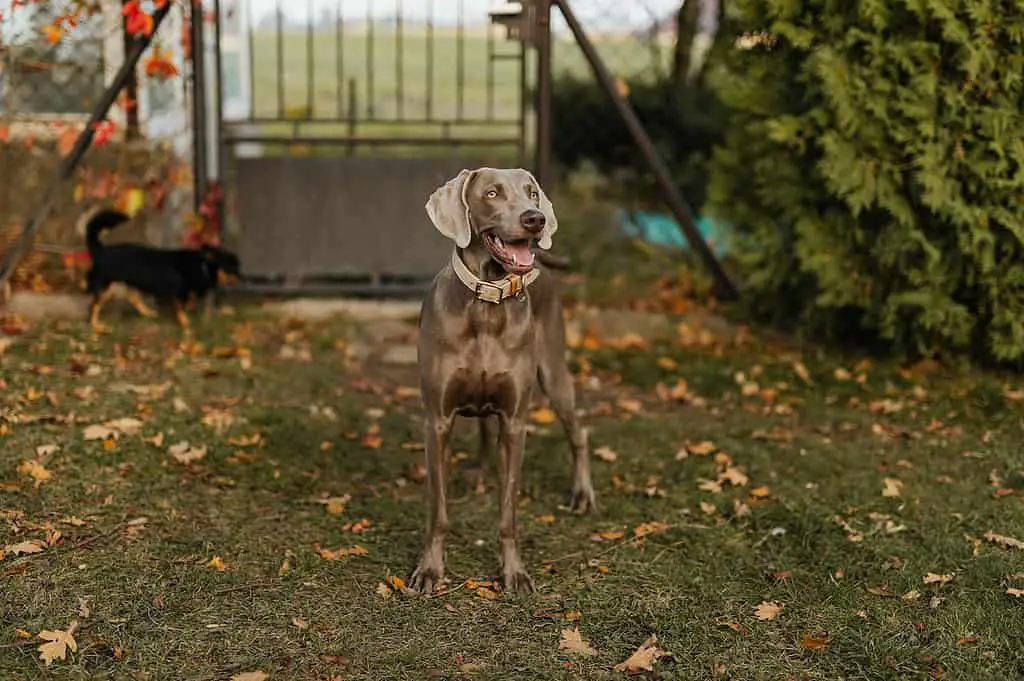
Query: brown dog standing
[[491, 325]]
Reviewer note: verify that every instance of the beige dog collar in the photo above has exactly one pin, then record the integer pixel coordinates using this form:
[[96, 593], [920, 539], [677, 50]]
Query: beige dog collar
[[510, 286]]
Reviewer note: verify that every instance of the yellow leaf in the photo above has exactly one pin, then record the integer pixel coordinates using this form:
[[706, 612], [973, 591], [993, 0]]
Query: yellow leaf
[[543, 416], [57, 645], [703, 448], [218, 563], [768, 610], [250, 676], [572, 642], [131, 201], [1016, 593], [892, 487], [21, 633], [667, 363], [605, 454], [652, 527], [841, 374], [547, 519], [760, 492], [933, 578], [34, 470], [338, 554], [643, 659]]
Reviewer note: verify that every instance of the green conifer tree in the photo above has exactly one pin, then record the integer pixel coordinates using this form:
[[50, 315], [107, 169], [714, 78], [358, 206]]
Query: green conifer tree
[[875, 169]]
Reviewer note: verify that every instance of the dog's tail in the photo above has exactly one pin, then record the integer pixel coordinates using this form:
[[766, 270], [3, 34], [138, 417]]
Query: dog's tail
[[553, 261], [99, 222]]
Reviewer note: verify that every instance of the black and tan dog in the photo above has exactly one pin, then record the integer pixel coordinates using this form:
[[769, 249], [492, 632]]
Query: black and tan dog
[[180, 276]]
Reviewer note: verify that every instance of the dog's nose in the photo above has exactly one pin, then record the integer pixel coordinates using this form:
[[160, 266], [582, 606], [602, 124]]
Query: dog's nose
[[532, 220]]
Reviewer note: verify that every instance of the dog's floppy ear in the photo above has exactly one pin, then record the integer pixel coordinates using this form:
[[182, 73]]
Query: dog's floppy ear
[[448, 210], [550, 220]]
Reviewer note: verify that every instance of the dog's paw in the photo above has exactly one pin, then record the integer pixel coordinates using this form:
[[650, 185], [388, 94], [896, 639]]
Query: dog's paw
[[584, 500], [518, 581], [425, 578]]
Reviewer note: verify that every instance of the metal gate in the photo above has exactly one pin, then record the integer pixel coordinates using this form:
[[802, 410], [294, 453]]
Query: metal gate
[[336, 119]]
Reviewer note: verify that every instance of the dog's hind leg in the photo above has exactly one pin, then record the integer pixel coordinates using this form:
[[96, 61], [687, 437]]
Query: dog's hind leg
[[134, 298], [182, 316], [556, 382], [100, 297]]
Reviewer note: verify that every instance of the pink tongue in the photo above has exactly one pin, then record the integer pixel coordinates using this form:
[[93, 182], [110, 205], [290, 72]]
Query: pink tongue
[[520, 253]]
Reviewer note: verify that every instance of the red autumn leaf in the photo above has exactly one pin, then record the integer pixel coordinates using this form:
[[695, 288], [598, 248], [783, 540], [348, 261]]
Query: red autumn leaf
[[104, 131], [159, 65], [136, 21]]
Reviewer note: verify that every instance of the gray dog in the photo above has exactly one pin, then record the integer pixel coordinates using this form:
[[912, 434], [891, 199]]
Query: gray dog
[[491, 325]]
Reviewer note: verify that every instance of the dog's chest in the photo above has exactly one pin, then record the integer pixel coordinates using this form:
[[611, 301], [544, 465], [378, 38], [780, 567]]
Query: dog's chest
[[494, 356]]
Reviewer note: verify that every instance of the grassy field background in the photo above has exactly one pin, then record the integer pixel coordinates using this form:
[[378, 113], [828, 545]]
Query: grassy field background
[[487, 91]]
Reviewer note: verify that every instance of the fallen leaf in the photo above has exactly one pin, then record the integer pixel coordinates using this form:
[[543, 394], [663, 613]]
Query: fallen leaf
[[891, 487], [572, 642], [759, 492], [703, 448], [1016, 593], [46, 450], [643, 659], [606, 454], [630, 405], [58, 643], [218, 563], [1003, 540], [34, 470], [734, 475], [250, 676], [335, 505], [653, 527], [768, 610], [543, 416], [30, 546], [338, 554], [709, 486], [933, 578], [708, 508], [98, 432], [300, 623], [185, 453], [731, 625], [801, 370], [808, 642]]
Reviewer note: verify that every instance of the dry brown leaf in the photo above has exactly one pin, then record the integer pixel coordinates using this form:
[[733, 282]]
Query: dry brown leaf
[[933, 578], [98, 432], [250, 676], [652, 527], [338, 554], [58, 643], [768, 610], [300, 623], [760, 492], [606, 454], [630, 405], [801, 370], [892, 487], [572, 642], [709, 486], [335, 505], [643, 659], [734, 475], [820, 642], [46, 450], [702, 448], [1003, 540], [29, 546], [708, 508], [125, 426], [185, 453], [1016, 593]]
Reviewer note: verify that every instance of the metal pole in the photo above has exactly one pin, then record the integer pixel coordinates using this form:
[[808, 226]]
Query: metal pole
[[542, 144], [200, 169], [71, 162], [724, 288], [218, 98]]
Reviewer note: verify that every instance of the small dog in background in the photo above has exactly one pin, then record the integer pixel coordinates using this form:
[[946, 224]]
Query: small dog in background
[[181, 276]]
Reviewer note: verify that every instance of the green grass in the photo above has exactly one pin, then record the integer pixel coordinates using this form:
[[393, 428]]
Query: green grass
[[391, 77], [156, 611]]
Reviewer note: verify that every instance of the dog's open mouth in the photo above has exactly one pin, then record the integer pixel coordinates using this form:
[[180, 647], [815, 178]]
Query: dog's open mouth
[[515, 256]]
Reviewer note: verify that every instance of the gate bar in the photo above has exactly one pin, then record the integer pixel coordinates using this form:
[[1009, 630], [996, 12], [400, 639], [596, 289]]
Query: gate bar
[[200, 167], [70, 163], [724, 288]]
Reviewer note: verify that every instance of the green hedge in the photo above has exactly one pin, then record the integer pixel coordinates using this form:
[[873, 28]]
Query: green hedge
[[875, 168]]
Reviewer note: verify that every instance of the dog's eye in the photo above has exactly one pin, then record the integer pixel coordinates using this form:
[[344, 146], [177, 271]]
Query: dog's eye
[[491, 194], [534, 194]]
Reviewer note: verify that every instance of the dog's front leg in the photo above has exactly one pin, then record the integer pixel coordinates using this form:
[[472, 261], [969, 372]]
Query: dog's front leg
[[511, 443], [430, 571]]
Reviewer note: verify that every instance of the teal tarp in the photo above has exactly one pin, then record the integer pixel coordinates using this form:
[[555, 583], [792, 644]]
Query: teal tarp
[[662, 230]]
